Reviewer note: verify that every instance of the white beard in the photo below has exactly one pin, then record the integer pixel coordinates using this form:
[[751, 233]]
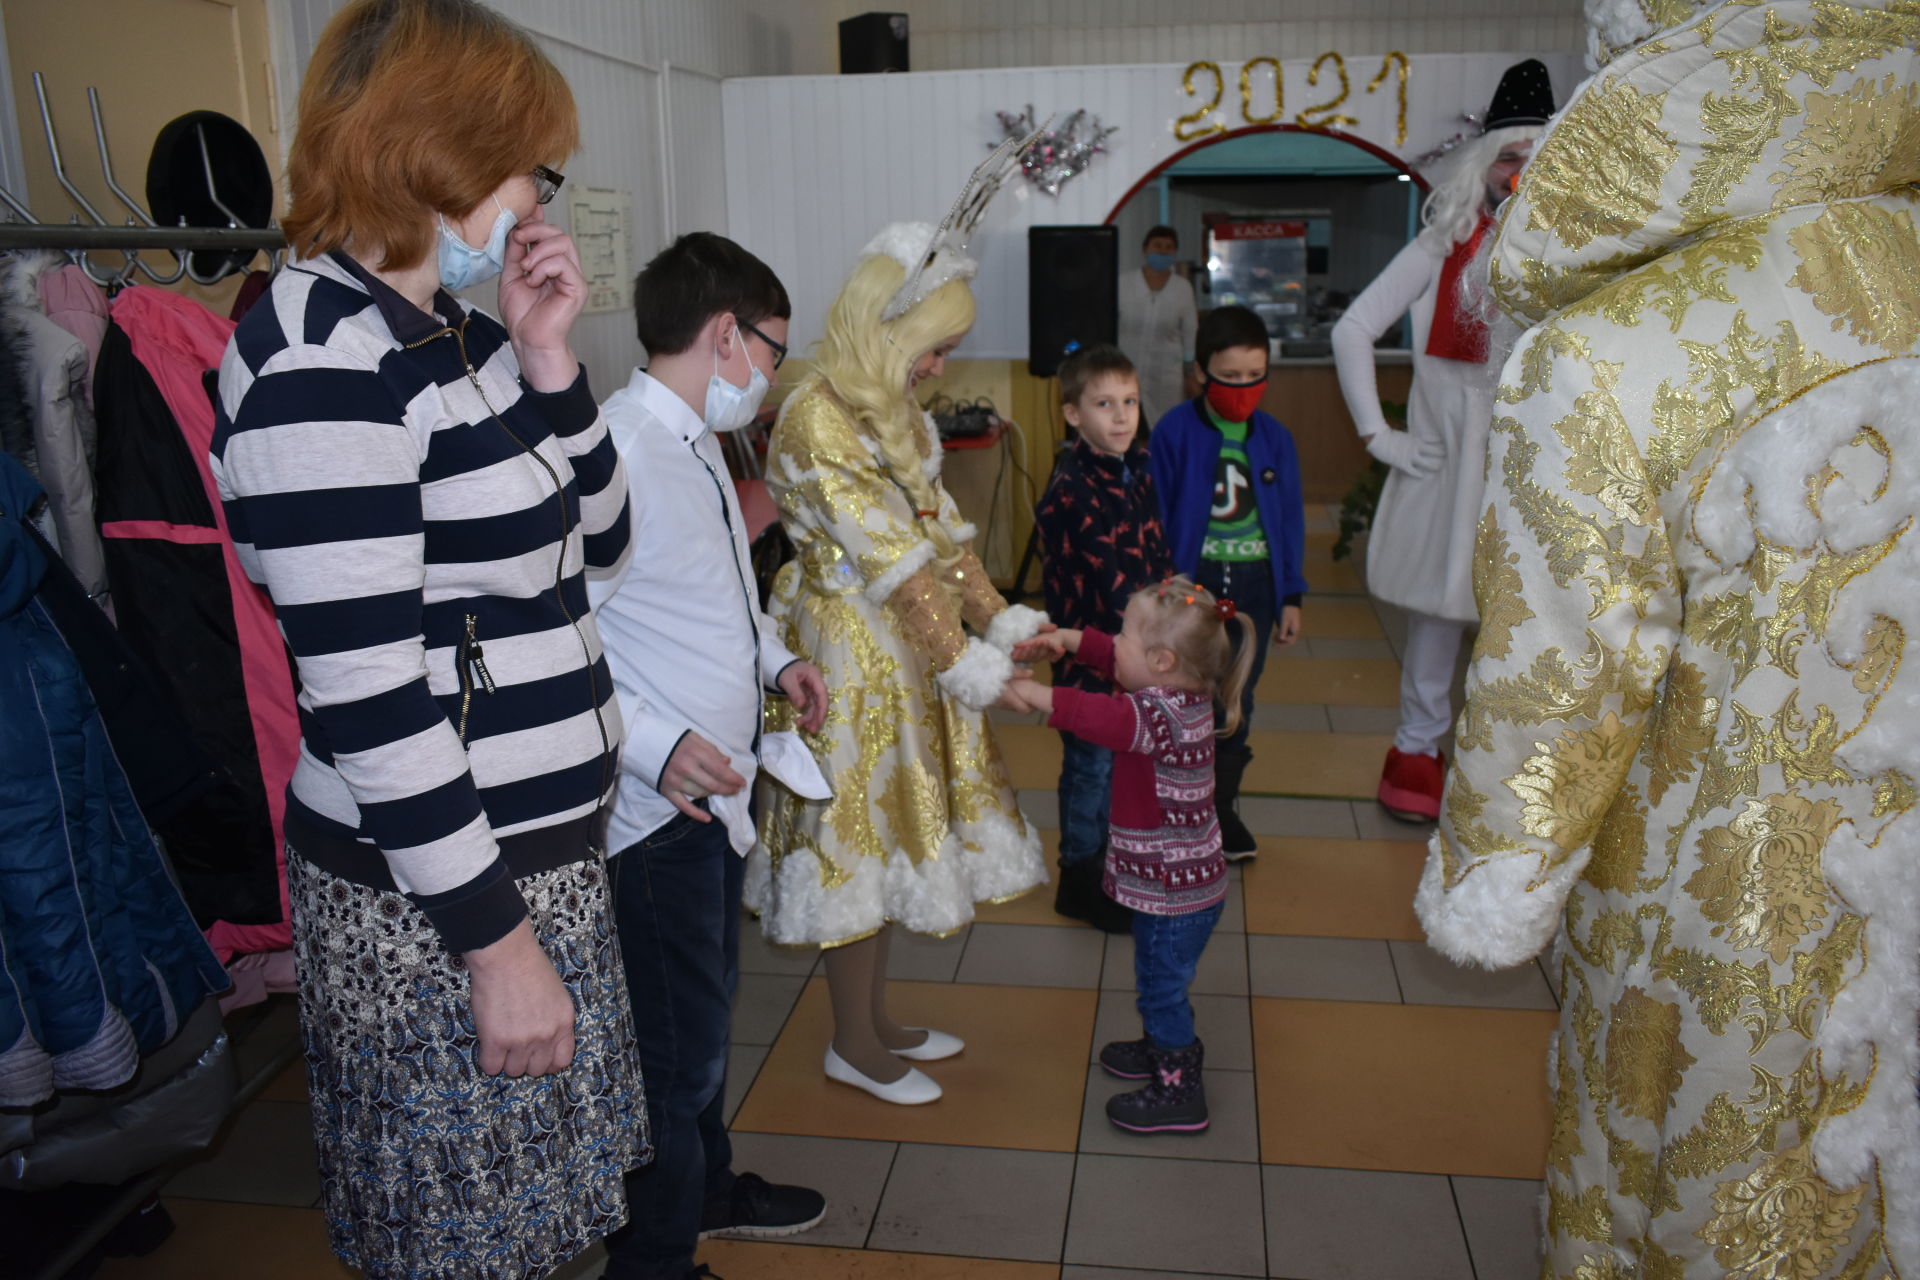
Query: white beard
[[1476, 302]]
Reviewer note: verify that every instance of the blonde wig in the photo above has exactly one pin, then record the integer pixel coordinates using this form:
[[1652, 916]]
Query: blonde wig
[[867, 362]]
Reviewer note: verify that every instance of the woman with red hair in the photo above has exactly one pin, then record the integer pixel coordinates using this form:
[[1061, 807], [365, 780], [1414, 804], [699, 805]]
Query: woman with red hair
[[421, 489]]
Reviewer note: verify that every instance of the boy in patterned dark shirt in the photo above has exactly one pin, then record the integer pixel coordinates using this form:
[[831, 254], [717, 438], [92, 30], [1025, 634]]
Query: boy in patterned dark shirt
[[1100, 531]]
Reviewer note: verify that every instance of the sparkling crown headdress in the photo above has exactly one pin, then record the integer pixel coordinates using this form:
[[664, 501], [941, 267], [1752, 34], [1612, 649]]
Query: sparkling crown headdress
[[935, 256]]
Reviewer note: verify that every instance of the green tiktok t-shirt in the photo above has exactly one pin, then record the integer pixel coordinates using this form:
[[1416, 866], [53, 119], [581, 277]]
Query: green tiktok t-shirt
[[1234, 532]]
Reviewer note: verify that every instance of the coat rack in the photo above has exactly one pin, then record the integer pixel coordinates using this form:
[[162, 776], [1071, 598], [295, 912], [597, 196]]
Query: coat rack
[[140, 232]]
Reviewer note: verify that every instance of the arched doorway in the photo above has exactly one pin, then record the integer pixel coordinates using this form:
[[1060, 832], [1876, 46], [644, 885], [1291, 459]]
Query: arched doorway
[[1291, 223]]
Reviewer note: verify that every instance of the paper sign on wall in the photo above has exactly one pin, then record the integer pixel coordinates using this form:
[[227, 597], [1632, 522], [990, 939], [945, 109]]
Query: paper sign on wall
[[600, 218]]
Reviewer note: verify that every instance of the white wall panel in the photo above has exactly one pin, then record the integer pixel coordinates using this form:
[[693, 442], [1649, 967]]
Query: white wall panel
[[816, 164], [957, 34], [697, 162]]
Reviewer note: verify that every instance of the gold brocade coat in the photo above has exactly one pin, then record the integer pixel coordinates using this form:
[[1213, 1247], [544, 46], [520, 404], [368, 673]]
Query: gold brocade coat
[[923, 822], [1692, 726]]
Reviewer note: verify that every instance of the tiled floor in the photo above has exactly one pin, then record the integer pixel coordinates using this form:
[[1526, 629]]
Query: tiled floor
[[1377, 1112]]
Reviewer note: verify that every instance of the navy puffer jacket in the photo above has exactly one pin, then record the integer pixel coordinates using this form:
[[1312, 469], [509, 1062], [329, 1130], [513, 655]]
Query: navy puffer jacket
[[101, 960]]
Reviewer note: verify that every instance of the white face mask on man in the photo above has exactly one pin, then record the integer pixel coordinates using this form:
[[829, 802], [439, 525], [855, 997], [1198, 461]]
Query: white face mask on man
[[731, 407]]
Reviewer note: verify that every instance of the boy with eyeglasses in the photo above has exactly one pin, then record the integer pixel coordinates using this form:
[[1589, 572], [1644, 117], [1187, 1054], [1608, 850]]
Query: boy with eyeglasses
[[693, 659]]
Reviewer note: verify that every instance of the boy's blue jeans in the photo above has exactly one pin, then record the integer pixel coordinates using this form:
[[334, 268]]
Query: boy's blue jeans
[[1086, 786], [676, 904], [1166, 951]]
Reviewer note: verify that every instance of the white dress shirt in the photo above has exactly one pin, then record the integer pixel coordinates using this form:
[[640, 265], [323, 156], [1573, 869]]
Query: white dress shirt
[[690, 649]]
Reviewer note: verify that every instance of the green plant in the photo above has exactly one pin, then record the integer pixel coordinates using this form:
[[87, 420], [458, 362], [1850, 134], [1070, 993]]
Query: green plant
[[1357, 508]]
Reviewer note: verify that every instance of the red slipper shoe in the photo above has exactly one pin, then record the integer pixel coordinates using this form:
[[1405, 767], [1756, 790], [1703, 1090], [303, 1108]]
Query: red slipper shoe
[[1410, 785]]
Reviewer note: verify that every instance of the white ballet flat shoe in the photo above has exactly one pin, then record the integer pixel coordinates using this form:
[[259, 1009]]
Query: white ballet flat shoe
[[936, 1046], [911, 1090]]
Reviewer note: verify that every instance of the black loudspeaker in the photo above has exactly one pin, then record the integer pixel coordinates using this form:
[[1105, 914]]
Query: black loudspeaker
[[873, 42], [1073, 285]]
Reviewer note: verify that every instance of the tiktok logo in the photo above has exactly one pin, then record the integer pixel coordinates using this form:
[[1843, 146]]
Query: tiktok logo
[[1230, 488]]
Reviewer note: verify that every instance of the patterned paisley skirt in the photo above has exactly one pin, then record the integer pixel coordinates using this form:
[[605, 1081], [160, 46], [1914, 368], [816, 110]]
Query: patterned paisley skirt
[[428, 1167]]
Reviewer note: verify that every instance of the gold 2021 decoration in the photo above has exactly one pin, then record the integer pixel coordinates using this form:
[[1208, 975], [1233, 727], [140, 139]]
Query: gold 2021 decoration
[[1199, 123], [1246, 92], [1194, 124], [1396, 62], [1322, 114]]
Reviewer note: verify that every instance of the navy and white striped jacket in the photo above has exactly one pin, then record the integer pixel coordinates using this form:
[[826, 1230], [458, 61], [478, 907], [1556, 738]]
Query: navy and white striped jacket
[[422, 520]]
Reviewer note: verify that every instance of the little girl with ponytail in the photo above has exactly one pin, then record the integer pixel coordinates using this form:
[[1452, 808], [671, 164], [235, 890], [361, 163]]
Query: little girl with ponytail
[[1174, 661]]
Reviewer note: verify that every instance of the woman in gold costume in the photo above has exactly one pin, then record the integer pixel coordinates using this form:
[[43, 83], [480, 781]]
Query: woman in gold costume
[[1689, 748], [881, 595]]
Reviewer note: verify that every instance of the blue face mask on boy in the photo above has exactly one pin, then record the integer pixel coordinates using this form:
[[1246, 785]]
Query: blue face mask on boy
[[1159, 262], [463, 266]]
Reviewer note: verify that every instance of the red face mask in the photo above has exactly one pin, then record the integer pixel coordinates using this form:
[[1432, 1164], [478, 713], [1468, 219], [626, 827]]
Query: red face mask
[[1235, 401]]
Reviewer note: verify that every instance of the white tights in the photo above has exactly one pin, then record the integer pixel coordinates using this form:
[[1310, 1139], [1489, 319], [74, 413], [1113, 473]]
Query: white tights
[[1426, 683]]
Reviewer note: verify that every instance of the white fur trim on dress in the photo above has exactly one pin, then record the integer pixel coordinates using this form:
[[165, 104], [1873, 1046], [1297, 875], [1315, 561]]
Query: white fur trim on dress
[[963, 532], [796, 907], [918, 557], [1497, 916], [978, 675], [908, 244], [936, 449], [1013, 624]]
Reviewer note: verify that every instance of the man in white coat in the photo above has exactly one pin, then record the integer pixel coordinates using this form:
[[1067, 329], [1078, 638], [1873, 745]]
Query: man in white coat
[[1420, 551]]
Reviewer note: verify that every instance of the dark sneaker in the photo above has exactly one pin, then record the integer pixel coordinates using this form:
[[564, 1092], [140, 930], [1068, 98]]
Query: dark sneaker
[[762, 1210], [702, 1273], [1128, 1059], [1175, 1099], [1236, 842], [1079, 896]]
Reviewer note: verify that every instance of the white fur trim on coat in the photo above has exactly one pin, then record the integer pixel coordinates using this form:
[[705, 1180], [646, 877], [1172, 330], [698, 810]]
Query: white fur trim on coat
[[1497, 916], [977, 675], [797, 908], [1869, 1033], [918, 557], [1013, 624]]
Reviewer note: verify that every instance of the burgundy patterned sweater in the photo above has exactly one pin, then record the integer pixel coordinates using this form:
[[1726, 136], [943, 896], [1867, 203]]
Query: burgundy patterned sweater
[[1100, 532], [1163, 851]]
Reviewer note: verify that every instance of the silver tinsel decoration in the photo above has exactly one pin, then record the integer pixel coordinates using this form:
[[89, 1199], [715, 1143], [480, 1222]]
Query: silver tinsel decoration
[[1059, 152], [1476, 126]]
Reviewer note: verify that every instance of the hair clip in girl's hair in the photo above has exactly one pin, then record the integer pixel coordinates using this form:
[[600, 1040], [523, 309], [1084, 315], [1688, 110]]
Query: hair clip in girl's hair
[[1227, 610]]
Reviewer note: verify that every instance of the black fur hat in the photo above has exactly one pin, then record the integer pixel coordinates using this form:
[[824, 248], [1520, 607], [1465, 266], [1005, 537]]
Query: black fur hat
[[1525, 96]]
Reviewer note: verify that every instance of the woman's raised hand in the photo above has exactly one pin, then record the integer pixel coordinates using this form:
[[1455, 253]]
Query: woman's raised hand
[[542, 291]]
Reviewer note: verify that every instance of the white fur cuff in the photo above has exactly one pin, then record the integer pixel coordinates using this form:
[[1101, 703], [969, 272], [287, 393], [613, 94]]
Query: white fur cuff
[[916, 559], [1013, 624], [978, 675], [1496, 917]]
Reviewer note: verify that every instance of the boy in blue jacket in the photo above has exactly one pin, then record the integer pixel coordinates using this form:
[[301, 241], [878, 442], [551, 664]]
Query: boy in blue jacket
[[1229, 486]]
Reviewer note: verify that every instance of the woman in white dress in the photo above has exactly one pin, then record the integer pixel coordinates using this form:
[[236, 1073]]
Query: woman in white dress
[[881, 595]]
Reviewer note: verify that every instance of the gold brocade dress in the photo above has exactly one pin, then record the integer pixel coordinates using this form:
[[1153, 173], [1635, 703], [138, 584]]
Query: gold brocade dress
[[923, 822], [1692, 730]]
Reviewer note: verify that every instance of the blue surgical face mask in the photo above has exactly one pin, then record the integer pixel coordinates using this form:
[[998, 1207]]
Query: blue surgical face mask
[[463, 266], [1159, 262], [730, 408]]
